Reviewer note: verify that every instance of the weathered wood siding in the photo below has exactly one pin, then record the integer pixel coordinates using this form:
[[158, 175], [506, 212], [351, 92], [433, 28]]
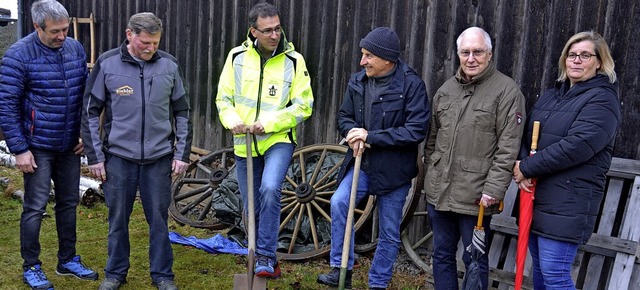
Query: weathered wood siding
[[528, 37]]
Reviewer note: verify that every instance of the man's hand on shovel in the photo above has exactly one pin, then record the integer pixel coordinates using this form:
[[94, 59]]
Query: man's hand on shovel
[[356, 139]]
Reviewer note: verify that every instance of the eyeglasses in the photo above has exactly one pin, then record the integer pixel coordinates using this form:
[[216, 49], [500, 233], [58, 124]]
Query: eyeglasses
[[585, 56], [475, 53], [269, 31]]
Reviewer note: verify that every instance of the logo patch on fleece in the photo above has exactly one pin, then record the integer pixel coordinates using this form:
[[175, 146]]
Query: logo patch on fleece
[[124, 91], [518, 118]]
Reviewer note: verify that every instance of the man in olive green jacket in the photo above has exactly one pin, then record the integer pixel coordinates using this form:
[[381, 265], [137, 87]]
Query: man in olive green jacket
[[473, 142]]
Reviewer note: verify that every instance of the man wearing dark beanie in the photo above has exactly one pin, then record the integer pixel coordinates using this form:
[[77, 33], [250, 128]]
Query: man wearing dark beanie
[[393, 122]]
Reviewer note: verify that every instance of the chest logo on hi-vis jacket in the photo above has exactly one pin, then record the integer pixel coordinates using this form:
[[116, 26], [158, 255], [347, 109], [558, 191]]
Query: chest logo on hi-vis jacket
[[124, 91], [273, 90]]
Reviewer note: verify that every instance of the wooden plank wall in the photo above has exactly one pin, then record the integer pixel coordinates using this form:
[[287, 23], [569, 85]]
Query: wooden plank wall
[[528, 37]]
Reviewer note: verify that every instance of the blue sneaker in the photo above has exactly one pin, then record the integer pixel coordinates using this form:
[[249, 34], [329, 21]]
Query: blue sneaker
[[77, 269], [265, 268], [36, 279]]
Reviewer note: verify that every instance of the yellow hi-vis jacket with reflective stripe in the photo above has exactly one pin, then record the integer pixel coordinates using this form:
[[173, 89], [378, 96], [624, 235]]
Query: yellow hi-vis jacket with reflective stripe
[[276, 93]]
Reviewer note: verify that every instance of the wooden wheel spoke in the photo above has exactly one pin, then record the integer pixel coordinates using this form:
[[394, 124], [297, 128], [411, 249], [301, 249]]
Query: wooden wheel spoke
[[289, 216], [206, 169], [314, 231], [328, 174], [288, 199], [325, 193], [192, 204], [223, 160], [287, 207], [321, 211], [322, 200], [303, 168], [195, 180], [288, 192], [190, 193], [296, 230], [318, 166], [293, 183], [206, 210], [328, 185]]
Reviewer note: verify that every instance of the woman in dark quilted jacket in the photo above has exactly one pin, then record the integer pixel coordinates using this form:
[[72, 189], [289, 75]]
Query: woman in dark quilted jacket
[[579, 118]]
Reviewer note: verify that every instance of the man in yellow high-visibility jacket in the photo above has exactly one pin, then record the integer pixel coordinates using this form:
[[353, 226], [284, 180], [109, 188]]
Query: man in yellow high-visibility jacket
[[264, 88]]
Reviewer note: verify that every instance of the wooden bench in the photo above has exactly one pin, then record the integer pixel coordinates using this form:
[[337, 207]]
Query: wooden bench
[[611, 258]]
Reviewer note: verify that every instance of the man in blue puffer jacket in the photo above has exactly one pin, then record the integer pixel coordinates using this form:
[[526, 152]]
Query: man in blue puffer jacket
[[42, 79]]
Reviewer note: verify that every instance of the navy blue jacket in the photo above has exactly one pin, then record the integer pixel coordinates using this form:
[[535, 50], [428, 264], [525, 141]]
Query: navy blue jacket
[[399, 123], [577, 132], [41, 94]]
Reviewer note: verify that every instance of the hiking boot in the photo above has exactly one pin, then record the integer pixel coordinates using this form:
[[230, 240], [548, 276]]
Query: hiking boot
[[166, 285], [111, 284], [36, 279], [266, 268], [77, 269], [333, 278]]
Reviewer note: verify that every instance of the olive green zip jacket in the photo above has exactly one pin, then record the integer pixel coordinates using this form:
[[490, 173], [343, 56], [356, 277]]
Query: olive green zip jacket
[[473, 141]]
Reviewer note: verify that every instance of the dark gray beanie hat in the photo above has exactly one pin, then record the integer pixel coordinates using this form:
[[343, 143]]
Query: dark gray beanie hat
[[383, 42]]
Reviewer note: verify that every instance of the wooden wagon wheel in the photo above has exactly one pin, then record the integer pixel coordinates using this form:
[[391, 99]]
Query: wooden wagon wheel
[[306, 194], [416, 223], [415, 248], [367, 237], [192, 193]]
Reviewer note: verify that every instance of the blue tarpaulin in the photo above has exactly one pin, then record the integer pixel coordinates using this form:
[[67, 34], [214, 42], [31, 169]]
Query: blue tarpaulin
[[216, 244]]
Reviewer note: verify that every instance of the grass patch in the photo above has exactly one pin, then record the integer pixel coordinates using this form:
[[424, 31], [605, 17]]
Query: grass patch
[[194, 268]]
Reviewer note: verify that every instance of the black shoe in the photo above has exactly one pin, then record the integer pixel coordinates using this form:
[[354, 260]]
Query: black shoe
[[333, 278]]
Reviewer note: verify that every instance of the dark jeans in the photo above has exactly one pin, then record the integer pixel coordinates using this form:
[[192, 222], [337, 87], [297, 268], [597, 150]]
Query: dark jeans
[[64, 169], [124, 178], [448, 227]]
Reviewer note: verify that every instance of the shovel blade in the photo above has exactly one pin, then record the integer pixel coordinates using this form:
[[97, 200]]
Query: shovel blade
[[240, 282]]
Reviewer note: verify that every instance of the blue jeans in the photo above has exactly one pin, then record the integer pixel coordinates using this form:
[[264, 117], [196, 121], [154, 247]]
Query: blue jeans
[[64, 169], [390, 215], [124, 178], [269, 171], [448, 227], [552, 261]]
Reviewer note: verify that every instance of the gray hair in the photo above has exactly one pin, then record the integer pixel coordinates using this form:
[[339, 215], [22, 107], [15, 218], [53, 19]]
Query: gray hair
[[44, 10], [262, 10], [485, 35], [145, 21]]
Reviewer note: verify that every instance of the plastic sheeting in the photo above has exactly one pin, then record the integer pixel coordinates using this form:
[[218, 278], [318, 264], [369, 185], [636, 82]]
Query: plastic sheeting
[[214, 245]]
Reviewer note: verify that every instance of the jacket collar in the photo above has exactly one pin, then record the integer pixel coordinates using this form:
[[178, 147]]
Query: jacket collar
[[126, 56], [397, 83], [491, 68], [599, 80]]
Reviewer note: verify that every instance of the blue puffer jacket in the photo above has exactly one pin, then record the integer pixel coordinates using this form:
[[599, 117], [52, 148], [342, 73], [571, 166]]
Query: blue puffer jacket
[[577, 131], [41, 94], [399, 122]]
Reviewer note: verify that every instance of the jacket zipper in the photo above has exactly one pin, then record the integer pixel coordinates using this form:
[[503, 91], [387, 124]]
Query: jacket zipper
[[143, 113]]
